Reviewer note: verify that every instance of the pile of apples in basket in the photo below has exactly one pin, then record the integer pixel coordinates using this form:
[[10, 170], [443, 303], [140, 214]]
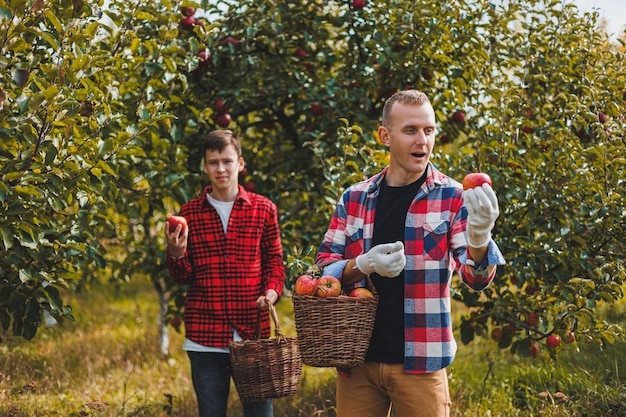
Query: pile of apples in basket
[[327, 286]]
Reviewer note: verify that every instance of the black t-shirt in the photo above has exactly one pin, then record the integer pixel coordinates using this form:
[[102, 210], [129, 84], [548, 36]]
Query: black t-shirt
[[387, 342]]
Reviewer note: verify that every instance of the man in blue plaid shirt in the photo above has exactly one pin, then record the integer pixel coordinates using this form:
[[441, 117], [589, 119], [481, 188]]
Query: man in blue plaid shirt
[[409, 228]]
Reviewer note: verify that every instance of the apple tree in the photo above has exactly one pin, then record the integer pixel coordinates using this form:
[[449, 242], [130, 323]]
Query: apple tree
[[529, 92], [83, 105], [103, 111]]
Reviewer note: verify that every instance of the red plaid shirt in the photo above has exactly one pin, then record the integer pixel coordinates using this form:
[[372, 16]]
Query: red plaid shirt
[[226, 273]]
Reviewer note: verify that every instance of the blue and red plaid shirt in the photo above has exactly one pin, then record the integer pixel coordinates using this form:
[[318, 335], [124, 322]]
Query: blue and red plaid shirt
[[435, 246], [227, 272]]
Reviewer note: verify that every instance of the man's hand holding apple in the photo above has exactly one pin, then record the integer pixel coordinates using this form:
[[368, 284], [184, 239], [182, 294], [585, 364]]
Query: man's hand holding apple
[[482, 211], [176, 233]]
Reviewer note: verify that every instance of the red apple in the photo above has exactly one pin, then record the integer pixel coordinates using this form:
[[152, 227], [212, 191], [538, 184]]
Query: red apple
[[602, 118], [188, 22], [328, 286], [475, 179], [570, 337], [317, 109], [175, 322], [527, 129], [444, 139], [534, 349], [231, 41], [187, 11], [223, 119], [458, 116], [532, 319], [301, 53], [426, 74], [361, 292], [358, 4], [202, 55], [174, 221], [220, 106], [250, 186], [305, 285], [496, 333], [553, 341]]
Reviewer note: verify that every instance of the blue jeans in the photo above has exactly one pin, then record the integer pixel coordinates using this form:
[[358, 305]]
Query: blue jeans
[[210, 373]]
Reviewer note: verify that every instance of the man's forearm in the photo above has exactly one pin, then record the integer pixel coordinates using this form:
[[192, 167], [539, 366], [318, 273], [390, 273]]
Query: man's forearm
[[351, 273]]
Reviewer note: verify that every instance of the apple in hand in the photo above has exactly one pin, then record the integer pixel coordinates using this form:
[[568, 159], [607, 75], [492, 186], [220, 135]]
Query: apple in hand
[[305, 285], [361, 292], [174, 221], [328, 286], [475, 179]]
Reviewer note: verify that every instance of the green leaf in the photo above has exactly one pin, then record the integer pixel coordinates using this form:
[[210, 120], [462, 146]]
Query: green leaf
[[50, 15], [7, 237]]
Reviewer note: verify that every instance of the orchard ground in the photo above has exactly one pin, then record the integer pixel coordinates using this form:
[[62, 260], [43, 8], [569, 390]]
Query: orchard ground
[[108, 363]]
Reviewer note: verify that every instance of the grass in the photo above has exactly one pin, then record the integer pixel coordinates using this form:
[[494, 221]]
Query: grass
[[108, 363]]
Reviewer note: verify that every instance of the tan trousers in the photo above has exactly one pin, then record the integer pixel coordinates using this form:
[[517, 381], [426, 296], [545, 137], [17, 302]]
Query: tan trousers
[[374, 388]]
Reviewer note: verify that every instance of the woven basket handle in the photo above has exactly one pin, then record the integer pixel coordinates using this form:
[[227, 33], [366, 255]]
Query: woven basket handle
[[277, 333]]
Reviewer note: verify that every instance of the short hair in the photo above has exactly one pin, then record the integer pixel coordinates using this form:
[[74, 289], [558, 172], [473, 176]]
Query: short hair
[[217, 140], [405, 97]]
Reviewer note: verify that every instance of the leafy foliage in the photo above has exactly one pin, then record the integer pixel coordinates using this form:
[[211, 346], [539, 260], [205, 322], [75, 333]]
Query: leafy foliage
[[103, 111]]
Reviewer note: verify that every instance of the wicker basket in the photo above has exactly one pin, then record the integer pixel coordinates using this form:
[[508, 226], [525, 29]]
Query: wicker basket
[[334, 331], [266, 368]]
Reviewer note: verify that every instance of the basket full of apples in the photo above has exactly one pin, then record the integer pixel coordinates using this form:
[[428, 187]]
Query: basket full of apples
[[333, 325]]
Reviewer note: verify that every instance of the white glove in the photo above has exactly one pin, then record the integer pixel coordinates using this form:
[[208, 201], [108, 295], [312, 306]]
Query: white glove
[[482, 212], [386, 259]]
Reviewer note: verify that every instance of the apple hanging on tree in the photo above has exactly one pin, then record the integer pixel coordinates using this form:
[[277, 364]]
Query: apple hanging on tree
[[570, 337], [358, 4], [458, 117], [534, 349], [188, 22], [223, 119], [187, 11], [250, 186], [532, 319], [301, 53], [317, 109], [220, 106], [553, 341]]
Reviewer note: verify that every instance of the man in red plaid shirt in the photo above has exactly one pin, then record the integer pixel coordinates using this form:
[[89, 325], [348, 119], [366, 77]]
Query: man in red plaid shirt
[[409, 228], [230, 257]]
